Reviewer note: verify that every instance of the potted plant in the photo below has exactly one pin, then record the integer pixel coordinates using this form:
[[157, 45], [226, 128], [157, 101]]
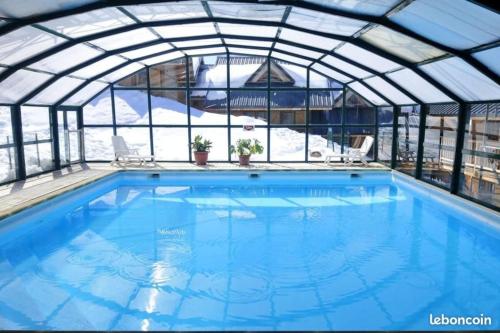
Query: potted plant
[[245, 148], [201, 148]]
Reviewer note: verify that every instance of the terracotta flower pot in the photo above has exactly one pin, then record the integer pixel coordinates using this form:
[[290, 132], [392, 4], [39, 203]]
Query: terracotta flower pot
[[201, 157], [245, 159]]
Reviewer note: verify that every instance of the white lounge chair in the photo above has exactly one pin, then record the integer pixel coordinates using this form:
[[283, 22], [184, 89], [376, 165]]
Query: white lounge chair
[[353, 154], [126, 154]]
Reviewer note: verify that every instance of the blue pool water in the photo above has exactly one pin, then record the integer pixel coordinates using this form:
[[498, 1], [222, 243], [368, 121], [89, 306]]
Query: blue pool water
[[291, 251]]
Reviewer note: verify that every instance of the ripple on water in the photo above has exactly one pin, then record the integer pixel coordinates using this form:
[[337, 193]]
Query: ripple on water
[[93, 258]]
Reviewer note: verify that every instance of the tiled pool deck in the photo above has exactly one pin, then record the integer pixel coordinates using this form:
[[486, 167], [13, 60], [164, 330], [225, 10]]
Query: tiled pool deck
[[19, 195]]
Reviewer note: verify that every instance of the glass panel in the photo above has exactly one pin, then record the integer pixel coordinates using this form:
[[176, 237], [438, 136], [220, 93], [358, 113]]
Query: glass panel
[[284, 74], [401, 45], [66, 59], [211, 72], [163, 58], [122, 72], [388, 90], [291, 59], [463, 79], [288, 107], [210, 50], [288, 144], [131, 107], [358, 110], [124, 39], [385, 116], [371, 7], [171, 11], [5, 126], [248, 51], [323, 140], [218, 136], [331, 73], [84, 94], [298, 50], [480, 162], [246, 42], [439, 143], [248, 71], [56, 91], [367, 58], [325, 107], [385, 119], [37, 7], [257, 133], [305, 38], [20, 84], [186, 30], [25, 42], [208, 107], [458, 24], [136, 80], [408, 128], [98, 145], [354, 138], [99, 67], [136, 138], [145, 51], [168, 107], [261, 12], [8, 164], [417, 86], [89, 23], [345, 67], [62, 138], [317, 80], [164, 150], [248, 107], [317, 21], [36, 129], [490, 58], [247, 30], [169, 75], [199, 42], [99, 110], [367, 93]]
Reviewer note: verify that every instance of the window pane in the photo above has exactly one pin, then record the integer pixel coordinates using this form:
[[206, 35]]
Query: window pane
[[199, 42], [288, 107], [419, 87], [37, 7], [210, 50], [298, 50], [169, 75], [247, 30], [248, 71], [317, 80], [163, 58], [408, 128], [218, 136], [25, 42], [367, 58], [144, 51], [248, 107], [289, 58], [288, 144], [186, 30], [458, 24], [99, 67], [490, 58], [66, 59], [136, 138], [317, 21], [258, 133], [480, 163], [439, 143], [8, 164], [323, 140], [241, 50], [168, 107], [400, 45], [212, 72], [98, 145], [84, 94], [36, 123], [129, 38], [131, 107], [367, 93], [99, 110], [284, 74], [388, 90], [259, 12], [89, 23], [165, 150], [385, 116], [305, 38], [5, 126], [463, 79], [38, 158], [354, 138], [330, 73], [208, 107], [19, 84], [358, 110], [136, 80], [55, 91], [172, 11], [345, 67], [325, 107], [122, 72], [385, 145], [371, 7], [246, 42]]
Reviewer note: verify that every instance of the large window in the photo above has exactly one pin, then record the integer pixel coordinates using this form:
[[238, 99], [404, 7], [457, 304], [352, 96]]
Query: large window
[[384, 143], [8, 165], [407, 145]]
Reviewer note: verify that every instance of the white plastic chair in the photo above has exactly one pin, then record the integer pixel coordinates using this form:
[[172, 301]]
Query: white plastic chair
[[126, 154], [353, 154]]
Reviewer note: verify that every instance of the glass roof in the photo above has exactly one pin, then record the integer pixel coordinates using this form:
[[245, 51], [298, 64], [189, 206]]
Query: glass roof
[[352, 41], [57, 90], [86, 93], [367, 93]]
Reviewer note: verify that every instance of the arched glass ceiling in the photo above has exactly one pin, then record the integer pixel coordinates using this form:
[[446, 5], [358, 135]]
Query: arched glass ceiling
[[389, 51]]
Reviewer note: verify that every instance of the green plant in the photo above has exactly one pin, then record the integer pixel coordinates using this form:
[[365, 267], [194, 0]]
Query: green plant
[[245, 147], [200, 145]]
